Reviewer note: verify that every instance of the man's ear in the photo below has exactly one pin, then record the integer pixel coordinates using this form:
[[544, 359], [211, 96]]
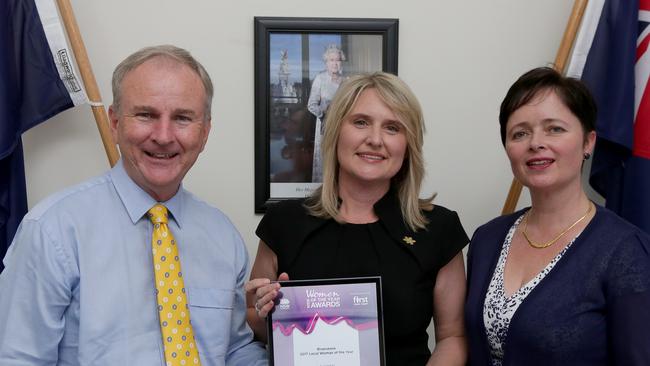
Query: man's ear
[[207, 126], [113, 122]]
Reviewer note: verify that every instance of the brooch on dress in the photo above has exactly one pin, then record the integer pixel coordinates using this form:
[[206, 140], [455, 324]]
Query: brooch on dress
[[408, 240]]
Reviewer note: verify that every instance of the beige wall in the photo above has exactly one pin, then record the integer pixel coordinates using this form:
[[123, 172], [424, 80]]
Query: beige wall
[[458, 56]]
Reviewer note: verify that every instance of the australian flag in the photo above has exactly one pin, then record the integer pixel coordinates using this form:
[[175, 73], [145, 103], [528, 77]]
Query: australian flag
[[611, 56], [37, 81]]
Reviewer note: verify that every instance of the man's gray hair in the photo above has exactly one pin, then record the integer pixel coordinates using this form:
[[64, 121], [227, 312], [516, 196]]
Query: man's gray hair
[[166, 51]]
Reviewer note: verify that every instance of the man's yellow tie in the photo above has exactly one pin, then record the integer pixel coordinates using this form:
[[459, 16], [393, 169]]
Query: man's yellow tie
[[173, 312]]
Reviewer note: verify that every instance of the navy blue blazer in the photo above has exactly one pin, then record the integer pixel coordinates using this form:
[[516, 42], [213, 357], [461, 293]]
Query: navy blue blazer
[[592, 308]]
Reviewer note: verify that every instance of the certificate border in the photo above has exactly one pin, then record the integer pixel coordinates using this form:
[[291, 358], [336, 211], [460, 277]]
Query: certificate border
[[335, 281]]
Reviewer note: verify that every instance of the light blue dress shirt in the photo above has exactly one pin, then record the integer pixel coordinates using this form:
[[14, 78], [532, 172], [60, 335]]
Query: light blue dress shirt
[[78, 288]]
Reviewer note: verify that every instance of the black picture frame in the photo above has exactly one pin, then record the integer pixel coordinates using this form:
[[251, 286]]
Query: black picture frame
[[360, 38]]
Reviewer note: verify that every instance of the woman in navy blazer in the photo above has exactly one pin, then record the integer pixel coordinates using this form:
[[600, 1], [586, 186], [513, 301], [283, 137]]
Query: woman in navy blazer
[[563, 282]]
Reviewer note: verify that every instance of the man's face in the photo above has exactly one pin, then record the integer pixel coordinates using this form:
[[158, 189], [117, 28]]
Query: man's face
[[160, 125]]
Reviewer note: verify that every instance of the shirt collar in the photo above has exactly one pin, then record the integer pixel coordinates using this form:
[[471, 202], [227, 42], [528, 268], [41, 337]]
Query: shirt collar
[[137, 202], [389, 211], [418, 242]]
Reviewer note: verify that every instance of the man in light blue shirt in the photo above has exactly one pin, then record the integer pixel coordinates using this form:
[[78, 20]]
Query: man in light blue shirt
[[78, 287]]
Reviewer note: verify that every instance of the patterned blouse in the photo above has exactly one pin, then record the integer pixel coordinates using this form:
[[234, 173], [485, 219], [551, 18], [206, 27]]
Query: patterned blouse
[[498, 309]]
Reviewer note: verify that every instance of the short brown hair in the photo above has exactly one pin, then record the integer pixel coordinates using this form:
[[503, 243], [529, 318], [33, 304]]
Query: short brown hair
[[572, 92]]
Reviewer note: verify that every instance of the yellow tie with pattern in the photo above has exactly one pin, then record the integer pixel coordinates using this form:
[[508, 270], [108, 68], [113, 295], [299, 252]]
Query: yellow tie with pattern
[[173, 312]]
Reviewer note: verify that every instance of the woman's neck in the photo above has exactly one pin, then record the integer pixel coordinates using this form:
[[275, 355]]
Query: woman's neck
[[358, 200], [555, 209]]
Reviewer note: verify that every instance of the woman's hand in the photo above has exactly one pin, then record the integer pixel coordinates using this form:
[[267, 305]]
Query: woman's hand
[[264, 292], [264, 271]]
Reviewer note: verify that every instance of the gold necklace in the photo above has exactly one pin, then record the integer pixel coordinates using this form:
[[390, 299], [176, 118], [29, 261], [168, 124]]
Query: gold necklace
[[552, 241]]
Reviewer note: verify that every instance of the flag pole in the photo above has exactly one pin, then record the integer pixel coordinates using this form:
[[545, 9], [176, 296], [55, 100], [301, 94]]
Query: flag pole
[[559, 65], [101, 118]]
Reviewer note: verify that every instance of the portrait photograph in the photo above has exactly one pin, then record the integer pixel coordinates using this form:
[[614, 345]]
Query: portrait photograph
[[302, 70]]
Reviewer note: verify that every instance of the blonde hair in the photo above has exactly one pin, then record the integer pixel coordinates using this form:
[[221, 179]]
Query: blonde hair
[[324, 202]]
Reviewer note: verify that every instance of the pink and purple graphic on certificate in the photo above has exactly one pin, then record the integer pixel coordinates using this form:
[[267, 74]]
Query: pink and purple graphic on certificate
[[326, 325]]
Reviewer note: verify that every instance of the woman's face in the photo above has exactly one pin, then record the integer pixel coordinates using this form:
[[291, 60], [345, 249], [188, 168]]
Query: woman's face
[[546, 143], [333, 63], [372, 142]]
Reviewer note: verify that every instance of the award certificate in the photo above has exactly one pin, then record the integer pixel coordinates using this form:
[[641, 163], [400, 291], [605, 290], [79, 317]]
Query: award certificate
[[333, 322]]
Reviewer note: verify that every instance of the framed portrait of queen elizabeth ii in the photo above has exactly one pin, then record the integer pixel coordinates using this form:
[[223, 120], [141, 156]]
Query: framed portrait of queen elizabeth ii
[[299, 65]]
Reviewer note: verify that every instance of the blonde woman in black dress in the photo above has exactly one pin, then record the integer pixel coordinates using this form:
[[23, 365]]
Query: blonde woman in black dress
[[367, 220]]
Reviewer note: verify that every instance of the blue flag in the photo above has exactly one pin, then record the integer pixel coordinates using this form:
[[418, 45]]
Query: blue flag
[[37, 81], [610, 56]]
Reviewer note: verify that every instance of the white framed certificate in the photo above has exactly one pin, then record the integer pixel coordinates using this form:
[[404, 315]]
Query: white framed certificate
[[334, 322]]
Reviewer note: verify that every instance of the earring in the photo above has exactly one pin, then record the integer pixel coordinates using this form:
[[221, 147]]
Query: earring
[[586, 156]]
